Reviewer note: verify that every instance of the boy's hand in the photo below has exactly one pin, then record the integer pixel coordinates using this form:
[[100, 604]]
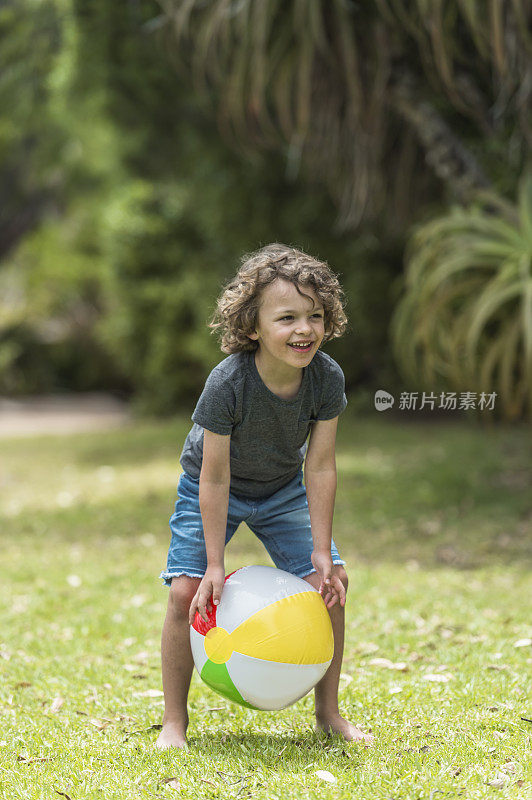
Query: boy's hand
[[331, 587], [211, 583]]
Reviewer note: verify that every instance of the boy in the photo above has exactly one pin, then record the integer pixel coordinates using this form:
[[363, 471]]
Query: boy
[[243, 457]]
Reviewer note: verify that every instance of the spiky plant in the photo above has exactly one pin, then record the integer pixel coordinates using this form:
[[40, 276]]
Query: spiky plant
[[465, 319]]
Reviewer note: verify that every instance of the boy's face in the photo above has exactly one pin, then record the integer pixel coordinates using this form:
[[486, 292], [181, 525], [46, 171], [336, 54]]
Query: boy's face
[[286, 318]]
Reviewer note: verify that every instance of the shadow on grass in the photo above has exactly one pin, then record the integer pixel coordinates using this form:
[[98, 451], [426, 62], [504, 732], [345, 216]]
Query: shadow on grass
[[281, 752]]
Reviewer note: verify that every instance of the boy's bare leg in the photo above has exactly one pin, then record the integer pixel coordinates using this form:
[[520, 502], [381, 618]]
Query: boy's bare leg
[[177, 662], [328, 717]]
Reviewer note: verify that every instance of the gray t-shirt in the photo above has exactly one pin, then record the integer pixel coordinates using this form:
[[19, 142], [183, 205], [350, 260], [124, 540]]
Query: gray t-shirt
[[268, 434]]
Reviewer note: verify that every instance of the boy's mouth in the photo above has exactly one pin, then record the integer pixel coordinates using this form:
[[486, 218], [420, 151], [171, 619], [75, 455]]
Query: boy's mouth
[[302, 347]]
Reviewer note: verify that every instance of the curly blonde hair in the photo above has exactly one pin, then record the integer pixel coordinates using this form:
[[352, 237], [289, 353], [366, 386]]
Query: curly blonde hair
[[238, 305]]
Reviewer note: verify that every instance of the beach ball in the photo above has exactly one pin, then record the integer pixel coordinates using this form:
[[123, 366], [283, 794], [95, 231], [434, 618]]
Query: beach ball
[[267, 642]]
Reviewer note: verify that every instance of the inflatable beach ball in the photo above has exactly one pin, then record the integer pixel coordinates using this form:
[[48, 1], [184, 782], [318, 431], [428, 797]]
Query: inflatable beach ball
[[267, 643]]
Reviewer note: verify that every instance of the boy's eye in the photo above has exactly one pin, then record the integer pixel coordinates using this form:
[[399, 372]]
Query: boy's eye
[[289, 316]]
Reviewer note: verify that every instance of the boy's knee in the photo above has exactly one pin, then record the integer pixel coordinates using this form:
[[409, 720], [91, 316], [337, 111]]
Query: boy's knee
[[182, 590]]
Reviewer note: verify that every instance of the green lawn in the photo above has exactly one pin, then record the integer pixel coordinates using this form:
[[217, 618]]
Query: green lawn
[[435, 523]]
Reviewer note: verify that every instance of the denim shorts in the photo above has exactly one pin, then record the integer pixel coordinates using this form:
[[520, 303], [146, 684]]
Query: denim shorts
[[281, 522]]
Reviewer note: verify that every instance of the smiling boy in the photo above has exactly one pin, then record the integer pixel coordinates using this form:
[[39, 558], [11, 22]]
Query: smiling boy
[[243, 458]]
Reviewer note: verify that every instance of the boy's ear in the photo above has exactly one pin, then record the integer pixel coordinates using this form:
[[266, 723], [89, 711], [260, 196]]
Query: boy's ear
[[253, 336]]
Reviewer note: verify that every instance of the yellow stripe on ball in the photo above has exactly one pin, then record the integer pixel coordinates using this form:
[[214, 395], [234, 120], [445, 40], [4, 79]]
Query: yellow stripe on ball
[[218, 645], [293, 630]]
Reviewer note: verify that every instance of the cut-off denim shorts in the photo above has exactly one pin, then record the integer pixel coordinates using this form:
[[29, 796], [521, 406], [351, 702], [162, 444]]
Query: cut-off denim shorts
[[281, 522]]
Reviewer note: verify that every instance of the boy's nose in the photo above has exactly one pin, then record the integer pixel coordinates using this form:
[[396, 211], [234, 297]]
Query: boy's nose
[[303, 327]]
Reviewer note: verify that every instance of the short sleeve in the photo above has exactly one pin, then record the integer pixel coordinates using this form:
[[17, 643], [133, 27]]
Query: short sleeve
[[215, 409], [333, 399]]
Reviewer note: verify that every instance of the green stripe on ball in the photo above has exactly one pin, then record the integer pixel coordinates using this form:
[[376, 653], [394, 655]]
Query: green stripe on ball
[[217, 677]]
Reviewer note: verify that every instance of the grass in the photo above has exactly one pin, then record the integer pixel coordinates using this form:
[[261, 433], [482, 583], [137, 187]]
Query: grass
[[435, 523]]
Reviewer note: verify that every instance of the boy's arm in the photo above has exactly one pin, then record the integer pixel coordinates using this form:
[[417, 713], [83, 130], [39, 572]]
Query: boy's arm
[[214, 482], [320, 485]]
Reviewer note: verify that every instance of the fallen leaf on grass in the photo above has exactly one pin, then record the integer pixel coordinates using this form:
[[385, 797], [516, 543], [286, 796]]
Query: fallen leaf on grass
[[100, 724], [446, 633], [228, 777], [91, 695], [137, 600], [325, 776], [63, 794], [523, 643], [439, 678], [141, 658], [149, 693], [508, 767], [172, 783], [414, 656], [22, 685], [367, 647], [37, 760], [156, 727], [499, 781], [387, 664], [57, 703], [457, 772]]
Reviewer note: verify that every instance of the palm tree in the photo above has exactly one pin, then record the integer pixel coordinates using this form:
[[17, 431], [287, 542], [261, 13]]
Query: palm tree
[[358, 94], [465, 319]]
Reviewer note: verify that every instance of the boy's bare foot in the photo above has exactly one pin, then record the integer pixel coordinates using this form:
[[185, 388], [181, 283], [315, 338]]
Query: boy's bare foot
[[172, 735], [337, 724]]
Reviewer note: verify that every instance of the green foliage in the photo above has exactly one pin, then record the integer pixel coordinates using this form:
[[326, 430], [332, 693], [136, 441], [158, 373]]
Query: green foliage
[[125, 212], [115, 285], [172, 246], [52, 292], [465, 320], [30, 135], [158, 294], [52, 270]]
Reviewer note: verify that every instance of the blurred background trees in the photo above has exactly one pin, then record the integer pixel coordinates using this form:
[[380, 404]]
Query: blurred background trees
[[145, 146]]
